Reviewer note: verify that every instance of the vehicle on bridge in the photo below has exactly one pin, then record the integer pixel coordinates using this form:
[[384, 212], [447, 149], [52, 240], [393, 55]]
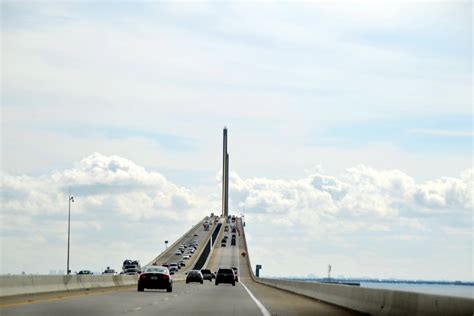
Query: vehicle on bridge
[[194, 276], [85, 272], [131, 267], [155, 278], [236, 273], [207, 274], [225, 275], [109, 271]]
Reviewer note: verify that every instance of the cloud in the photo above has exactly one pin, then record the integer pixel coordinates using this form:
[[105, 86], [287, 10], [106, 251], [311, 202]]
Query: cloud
[[447, 133], [359, 193], [99, 182]]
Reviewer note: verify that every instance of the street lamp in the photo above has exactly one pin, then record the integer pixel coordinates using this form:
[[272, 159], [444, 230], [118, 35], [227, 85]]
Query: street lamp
[[71, 199], [166, 244]]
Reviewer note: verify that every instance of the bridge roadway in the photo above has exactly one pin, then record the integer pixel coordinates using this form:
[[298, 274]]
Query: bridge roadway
[[186, 299]]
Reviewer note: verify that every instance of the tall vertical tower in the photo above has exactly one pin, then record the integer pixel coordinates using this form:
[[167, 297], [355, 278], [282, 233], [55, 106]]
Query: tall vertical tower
[[225, 176]]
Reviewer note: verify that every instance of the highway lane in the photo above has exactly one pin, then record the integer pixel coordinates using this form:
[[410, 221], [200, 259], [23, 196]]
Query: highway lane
[[170, 256], [186, 299], [276, 301]]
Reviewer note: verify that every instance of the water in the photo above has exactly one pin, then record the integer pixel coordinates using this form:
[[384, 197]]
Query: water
[[441, 289]]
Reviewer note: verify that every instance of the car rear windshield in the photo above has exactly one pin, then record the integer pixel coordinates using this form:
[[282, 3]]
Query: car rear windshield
[[225, 271], [155, 270], [206, 271]]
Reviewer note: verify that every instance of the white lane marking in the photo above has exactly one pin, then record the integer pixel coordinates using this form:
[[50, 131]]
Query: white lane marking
[[137, 308], [264, 311]]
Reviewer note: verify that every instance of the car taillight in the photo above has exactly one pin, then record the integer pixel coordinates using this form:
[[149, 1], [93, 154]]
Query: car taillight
[[165, 276], [142, 276]]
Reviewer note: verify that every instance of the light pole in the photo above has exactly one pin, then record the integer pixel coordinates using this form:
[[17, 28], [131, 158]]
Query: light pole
[[166, 244], [71, 199]]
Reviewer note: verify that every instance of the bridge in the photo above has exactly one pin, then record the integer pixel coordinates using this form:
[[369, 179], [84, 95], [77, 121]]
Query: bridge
[[73, 295]]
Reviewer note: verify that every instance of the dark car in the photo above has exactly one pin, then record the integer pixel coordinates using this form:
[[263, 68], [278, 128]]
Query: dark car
[[236, 273], [85, 272], [207, 274], [232, 242], [155, 278], [225, 275], [223, 244], [194, 276]]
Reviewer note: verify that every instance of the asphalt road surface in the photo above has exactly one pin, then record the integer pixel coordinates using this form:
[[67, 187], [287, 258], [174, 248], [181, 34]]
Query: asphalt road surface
[[245, 298]]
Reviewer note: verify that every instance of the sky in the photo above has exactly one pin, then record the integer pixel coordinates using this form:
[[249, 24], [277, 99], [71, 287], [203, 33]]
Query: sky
[[350, 132]]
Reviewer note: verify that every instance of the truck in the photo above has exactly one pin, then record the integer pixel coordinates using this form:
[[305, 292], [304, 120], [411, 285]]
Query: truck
[[131, 267]]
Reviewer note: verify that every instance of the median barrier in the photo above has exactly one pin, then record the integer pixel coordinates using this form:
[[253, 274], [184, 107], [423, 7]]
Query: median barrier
[[11, 285]]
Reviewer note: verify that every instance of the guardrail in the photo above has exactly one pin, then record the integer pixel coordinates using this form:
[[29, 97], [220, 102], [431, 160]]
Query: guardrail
[[11, 285]]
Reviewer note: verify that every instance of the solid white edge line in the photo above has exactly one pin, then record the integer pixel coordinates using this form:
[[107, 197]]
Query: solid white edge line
[[264, 311]]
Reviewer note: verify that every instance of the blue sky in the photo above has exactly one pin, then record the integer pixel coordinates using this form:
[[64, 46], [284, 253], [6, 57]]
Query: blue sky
[[373, 97]]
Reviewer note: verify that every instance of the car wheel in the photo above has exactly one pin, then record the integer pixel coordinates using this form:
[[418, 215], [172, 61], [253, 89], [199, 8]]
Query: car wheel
[[217, 283], [187, 282], [202, 282], [237, 280], [169, 289], [140, 289], [233, 283]]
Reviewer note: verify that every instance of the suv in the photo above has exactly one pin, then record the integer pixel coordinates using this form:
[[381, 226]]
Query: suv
[[225, 275]]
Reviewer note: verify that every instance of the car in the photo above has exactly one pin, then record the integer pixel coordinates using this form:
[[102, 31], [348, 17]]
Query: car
[[109, 271], [232, 242], [166, 265], [236, 273], [226, 228], [225, 275], [223, 244], [194, 276], [181, 263], [195, 235], [224, 240], [192, 250], [85, 272], [233, 229], [225, 237], [185, 257], [206, 274], [174, 264], [177, 253], [173, 268], [155, 278]]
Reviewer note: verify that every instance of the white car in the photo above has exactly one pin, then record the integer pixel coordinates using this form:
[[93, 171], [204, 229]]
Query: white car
[[185, 257], [177, 253]]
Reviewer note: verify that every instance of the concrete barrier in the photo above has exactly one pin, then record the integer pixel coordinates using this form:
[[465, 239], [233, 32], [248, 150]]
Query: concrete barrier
[[371, 301], [35, 284], [377, 301]]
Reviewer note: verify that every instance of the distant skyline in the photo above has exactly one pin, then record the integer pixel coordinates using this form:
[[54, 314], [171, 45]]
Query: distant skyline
[[350, 132]]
